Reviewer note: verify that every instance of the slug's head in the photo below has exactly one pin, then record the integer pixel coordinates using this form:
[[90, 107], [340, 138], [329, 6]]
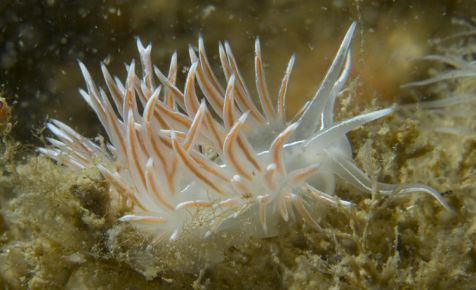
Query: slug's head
[[207, 152]]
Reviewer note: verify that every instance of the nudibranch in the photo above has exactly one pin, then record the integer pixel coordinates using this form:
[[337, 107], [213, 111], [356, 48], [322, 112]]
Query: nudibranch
[[176, 154]]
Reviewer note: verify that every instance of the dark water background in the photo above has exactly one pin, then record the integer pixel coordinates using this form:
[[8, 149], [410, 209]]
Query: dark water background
[[40, 42]]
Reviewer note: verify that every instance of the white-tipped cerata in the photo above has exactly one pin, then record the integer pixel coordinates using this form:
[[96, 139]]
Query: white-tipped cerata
[[212, 152]]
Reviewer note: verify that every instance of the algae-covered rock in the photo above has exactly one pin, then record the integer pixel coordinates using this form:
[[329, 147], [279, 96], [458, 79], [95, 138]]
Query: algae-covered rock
[[61, 231], [59, 227]]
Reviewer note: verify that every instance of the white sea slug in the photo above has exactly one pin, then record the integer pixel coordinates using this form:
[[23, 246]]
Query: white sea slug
[[180, 155]]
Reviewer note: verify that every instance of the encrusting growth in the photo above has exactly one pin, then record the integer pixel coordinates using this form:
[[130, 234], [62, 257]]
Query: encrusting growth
[[176, 154]]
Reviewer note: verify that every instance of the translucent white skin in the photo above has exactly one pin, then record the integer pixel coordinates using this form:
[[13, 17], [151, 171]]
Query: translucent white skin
[[241, 166]]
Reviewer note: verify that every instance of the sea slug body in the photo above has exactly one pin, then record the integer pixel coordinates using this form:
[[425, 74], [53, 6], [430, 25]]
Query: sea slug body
[[175, 154]]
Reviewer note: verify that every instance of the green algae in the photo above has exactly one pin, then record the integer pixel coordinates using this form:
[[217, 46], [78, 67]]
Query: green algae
[[59, 229]]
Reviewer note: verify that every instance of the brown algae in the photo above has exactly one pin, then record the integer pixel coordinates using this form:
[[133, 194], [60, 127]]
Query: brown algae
[[60, 229]]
